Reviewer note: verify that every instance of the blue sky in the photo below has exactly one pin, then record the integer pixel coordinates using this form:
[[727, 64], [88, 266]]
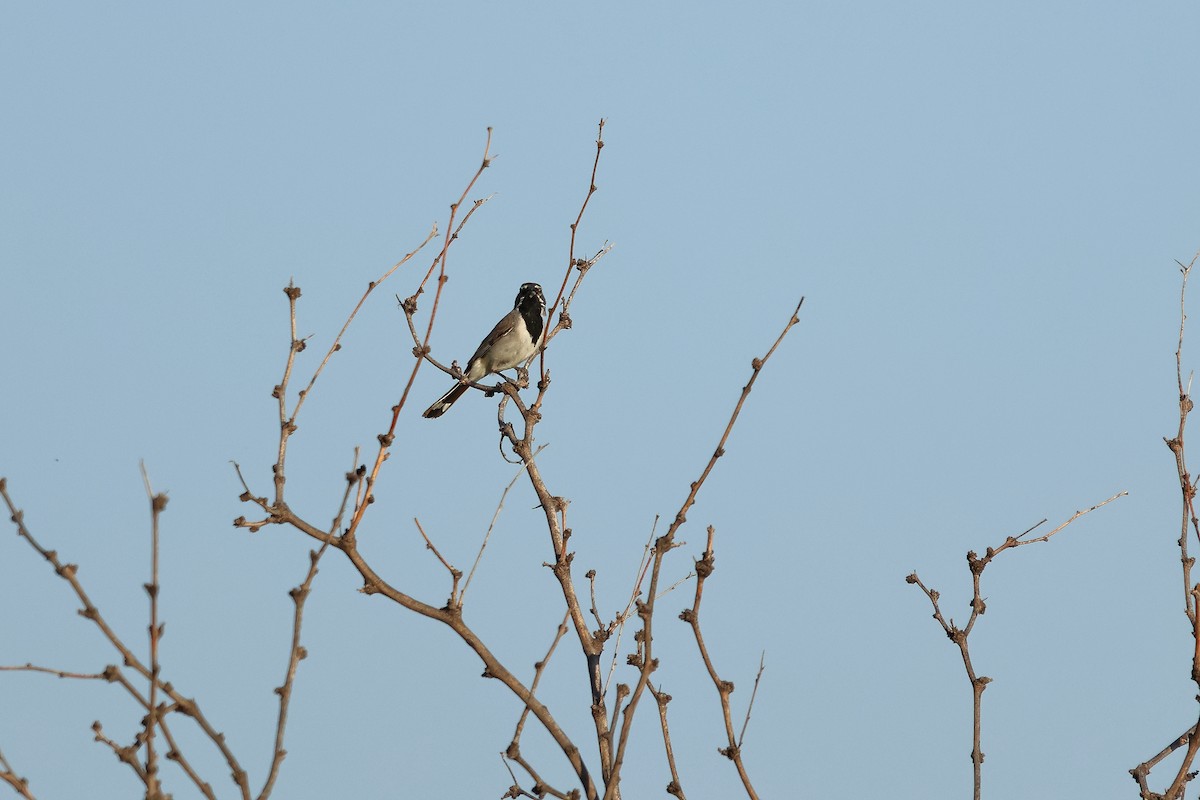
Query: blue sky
[[982, 206]]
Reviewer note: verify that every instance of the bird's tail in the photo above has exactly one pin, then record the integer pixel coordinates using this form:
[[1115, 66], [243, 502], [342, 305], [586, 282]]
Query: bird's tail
[[443, 403]]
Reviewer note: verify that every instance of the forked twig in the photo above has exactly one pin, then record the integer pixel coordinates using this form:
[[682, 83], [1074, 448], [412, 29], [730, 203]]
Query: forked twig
[[183, 705], [513, 751], [455, 574], [287, 422], [644, 658], [978, 606]]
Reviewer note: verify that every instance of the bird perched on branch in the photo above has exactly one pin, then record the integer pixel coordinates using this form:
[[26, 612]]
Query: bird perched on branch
[[513, 341]]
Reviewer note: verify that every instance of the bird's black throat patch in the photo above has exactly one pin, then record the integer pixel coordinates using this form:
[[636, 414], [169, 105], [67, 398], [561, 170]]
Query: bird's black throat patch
[[532, 306]]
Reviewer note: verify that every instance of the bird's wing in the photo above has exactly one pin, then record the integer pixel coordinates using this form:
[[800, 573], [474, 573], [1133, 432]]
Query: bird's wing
[[503, 327]]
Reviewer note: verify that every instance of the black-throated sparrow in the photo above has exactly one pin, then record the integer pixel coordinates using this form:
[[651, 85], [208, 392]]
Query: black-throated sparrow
[[513, 341]]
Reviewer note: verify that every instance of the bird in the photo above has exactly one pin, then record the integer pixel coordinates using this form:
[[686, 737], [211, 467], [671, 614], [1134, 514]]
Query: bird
[[515, 339]]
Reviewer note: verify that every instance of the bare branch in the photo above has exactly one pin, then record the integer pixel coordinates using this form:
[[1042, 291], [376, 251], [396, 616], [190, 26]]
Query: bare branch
[[1142, 771], [756, 365], [1191, 591], [978, 606], [189, 707], [9, 776]]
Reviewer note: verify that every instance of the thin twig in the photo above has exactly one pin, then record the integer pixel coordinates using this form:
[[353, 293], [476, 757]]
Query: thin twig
[[296, 653], [617, 627], [455, 574], [495, 516], [100, 676], [677, 583], [513, 751], [515, 790], [337, 341], [110, 674], [762, 664], [287, 422], [571, 264], [158, 502]]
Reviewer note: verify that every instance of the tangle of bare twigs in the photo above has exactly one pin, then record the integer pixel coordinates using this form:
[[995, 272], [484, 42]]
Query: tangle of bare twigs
[[612, 728]]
